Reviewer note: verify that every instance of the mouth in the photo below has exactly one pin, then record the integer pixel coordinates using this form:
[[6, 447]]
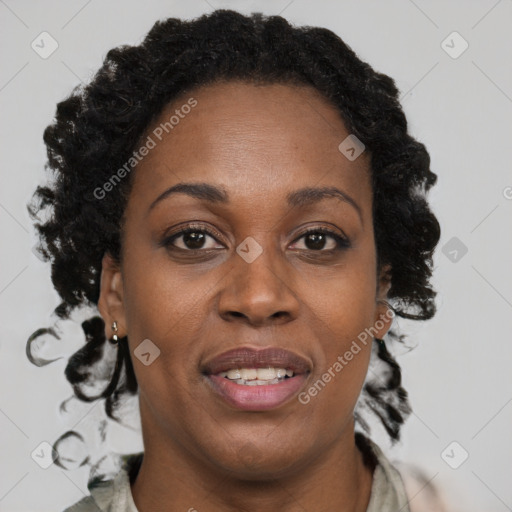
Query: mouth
[[256, 380]]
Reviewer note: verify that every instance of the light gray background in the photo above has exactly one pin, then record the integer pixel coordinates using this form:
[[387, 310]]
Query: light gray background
[[458, 376]]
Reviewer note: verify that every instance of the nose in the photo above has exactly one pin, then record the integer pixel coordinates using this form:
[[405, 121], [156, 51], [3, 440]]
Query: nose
[[259, 293]]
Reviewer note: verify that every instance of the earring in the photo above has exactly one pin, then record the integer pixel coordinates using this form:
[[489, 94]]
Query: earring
[[114, 339]]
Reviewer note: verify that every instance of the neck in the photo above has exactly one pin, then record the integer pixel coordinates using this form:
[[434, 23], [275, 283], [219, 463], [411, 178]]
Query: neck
[[337, 479]]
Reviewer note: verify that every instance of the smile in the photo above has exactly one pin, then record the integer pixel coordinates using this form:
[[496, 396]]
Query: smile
[[256, 380]]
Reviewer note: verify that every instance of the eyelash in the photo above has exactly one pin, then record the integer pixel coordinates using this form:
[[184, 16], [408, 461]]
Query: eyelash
[[341, 241]]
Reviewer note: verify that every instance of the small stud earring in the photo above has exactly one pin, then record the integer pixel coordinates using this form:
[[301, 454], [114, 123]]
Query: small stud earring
[[114, 339]]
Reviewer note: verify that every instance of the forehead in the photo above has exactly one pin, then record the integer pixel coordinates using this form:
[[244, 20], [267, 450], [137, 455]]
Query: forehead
[[256, 140]]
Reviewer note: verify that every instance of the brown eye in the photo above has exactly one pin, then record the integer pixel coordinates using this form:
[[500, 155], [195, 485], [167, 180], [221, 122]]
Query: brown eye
[[318, 240], [192, 239]]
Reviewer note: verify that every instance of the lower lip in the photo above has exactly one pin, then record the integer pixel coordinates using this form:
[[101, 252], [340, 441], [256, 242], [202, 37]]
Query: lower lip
[[256, 398]]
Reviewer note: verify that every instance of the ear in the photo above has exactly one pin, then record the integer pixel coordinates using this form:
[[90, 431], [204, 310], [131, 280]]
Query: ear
[[383, 314], [111, 303]]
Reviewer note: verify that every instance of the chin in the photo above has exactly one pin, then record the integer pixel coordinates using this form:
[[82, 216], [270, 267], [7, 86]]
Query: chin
[[259, 462]]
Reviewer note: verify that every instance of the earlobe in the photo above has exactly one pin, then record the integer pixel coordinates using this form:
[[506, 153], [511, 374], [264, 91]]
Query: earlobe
[[111, 300]]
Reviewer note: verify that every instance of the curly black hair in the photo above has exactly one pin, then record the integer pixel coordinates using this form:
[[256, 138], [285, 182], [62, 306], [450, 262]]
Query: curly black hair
[[99, 126]]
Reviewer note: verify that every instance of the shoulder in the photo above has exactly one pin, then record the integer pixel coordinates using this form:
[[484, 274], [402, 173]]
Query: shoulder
[[428, 497], [111, 495], [101, 495], [86, 504], [394, 482], [388, 492]]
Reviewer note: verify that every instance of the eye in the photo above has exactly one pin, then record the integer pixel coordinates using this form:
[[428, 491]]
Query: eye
[[193, 238], [316, 239]]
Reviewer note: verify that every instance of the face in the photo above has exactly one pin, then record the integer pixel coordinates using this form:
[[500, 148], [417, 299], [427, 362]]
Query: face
[[264, 265]]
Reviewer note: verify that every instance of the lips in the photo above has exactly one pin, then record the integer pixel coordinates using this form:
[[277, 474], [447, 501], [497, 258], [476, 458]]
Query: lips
[[258, 397], [252, 358]]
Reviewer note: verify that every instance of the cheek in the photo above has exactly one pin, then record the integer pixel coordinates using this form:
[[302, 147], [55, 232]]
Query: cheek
[[341, 314], [162, 306], [342, 303], [171, 305], [345, 343], [162, 300], [342, 358]]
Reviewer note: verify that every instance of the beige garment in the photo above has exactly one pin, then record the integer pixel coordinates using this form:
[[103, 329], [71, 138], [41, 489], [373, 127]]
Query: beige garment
[[387, 494]]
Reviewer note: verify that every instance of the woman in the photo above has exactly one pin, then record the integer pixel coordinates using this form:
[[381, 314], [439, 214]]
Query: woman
[[241, 200]]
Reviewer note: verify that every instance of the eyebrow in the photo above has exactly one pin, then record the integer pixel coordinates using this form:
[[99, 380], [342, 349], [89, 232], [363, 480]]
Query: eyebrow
[[213, 194]]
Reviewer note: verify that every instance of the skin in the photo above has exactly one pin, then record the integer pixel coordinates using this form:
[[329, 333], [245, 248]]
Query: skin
[[258, 143]]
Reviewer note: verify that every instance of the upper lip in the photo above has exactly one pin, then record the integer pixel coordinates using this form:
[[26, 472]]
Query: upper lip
[[247, 357]]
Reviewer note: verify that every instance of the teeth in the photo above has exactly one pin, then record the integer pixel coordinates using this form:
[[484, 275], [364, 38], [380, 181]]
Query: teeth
[[248, 373], [257, 376], [234, 374], [266, 373], [257, 382]]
